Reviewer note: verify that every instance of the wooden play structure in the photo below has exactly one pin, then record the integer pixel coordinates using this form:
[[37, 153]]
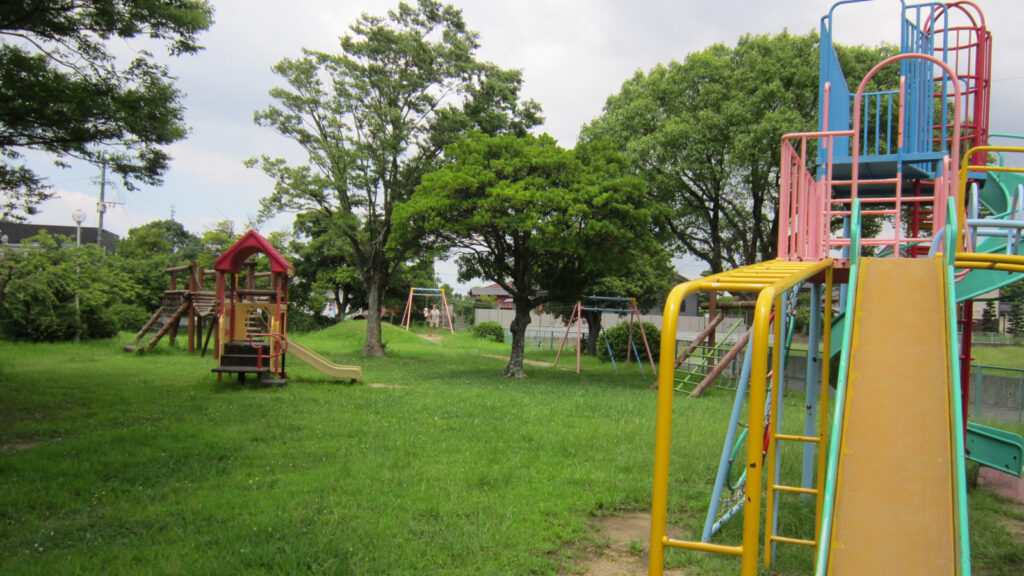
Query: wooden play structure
[[252, 319], [247, 313], [191, 301]]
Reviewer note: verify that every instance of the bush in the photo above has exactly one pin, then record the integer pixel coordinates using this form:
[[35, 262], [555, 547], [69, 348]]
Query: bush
[[489, 331], [300, 322], [618, 338], [130, 317], [45, 279]]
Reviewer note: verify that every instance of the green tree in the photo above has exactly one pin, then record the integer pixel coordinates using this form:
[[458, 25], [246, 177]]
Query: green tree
[[324, 265], [147, 251], [66, 95], [542, 222], [705, 135], [989, 318], [374, 119], [1014, 294], [646, 276], [40, 282], [215, 241], [1015, 319]]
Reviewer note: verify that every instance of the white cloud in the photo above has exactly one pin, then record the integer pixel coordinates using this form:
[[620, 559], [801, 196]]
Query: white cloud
[[574, 54]]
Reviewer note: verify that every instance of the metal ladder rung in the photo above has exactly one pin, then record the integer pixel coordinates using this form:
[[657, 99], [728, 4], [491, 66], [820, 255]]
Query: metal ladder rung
[[686, 374], [814, 439], [794, 489], [704, 355], [793, 541], [703, 546]]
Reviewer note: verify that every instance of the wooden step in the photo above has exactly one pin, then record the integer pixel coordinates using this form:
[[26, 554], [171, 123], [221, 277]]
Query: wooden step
[[240, 370]]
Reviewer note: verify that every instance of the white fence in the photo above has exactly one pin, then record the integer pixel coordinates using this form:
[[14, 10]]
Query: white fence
[[547, 326]]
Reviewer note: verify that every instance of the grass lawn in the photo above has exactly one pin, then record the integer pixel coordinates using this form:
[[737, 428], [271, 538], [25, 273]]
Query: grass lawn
[[115, 463]]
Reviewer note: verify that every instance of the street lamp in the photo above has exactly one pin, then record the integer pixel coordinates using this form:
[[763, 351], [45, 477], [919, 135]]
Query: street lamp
[[78, 216]]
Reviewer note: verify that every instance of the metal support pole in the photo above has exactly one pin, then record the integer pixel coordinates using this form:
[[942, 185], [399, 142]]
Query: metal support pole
[[775, 422], [730, 439], [812, 380]]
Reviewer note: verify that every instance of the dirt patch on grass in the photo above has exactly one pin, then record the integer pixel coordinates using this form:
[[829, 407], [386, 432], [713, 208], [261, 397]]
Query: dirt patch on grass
[[626, 539], [1012, 489], [1001, 483], [19, 446], [436, 339], [525, 361], [385, 385]]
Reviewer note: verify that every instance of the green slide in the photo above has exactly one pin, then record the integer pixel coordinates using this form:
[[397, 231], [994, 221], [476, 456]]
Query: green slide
[[995, 448]]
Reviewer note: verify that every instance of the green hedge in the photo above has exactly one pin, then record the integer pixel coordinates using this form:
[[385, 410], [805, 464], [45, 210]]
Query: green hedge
[[618, 338], [489, 331]]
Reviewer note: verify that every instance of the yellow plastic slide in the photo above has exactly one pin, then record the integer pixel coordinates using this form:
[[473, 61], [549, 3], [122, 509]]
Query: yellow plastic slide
[[894, 502], [300, 352]]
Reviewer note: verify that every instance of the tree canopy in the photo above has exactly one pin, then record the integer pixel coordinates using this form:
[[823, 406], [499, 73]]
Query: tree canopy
[[542, 222], [65, 93], [50, 291], [373, 120], [705, 136], [147, 251]]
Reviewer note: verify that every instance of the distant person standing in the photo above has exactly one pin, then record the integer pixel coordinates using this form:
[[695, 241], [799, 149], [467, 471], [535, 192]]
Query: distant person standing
[[435, 320]]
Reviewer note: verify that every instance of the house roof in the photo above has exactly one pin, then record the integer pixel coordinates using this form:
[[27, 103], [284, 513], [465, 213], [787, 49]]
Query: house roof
[[251, 243], [490, 290], [15, 232]]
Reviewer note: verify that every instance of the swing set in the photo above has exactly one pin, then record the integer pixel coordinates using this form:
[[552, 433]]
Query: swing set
[[427, 293], [601, 305]]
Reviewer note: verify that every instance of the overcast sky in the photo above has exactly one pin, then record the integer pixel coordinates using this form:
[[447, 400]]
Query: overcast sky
[[573, 53]]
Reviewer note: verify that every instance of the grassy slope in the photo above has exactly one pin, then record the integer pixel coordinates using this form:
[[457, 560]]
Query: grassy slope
[[147, 464]]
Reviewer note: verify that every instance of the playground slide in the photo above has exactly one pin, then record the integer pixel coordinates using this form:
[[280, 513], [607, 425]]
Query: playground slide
[[300, 352], [894, 512], [995, 448], [997, 193]]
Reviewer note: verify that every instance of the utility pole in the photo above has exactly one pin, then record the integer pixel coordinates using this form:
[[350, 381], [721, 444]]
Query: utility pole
[[101, 206], [78, 216]]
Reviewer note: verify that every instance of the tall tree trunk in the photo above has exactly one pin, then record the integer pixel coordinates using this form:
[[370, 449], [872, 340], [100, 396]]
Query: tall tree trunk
[[593, 330], [338, 304], [374, 291], [343, 303], [518, 329]]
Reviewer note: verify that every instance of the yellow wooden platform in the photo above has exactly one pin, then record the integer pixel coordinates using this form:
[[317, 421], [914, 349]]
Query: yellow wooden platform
[[894, 508]]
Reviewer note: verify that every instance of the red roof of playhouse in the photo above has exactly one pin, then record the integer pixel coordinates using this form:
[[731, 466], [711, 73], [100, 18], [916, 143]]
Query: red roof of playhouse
[[232, 258]]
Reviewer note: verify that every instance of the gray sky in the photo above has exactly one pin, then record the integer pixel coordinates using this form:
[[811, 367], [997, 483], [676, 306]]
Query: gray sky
[[574, 54]]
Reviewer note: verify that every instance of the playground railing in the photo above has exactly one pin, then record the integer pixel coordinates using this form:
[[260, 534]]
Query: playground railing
[[807, 204], [281, 344], [965, 256], [835, 438]]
